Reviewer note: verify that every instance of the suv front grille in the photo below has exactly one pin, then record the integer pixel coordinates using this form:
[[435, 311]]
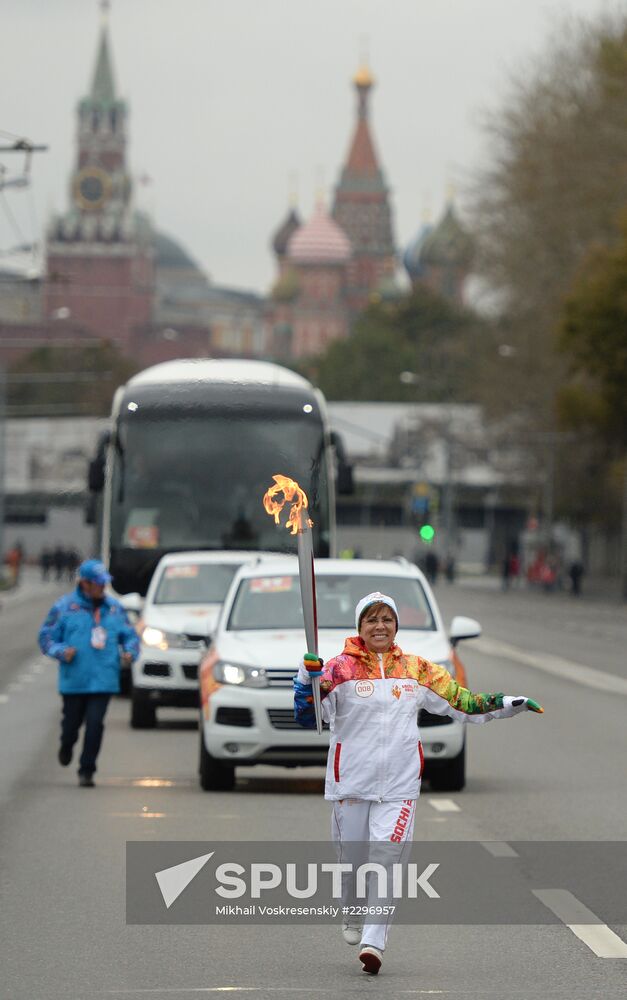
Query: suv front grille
[[231, 716], [157, 669], [193, 641], [283, 718], [280, 677]]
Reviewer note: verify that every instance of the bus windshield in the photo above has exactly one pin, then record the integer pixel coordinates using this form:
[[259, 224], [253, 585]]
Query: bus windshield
[[196, 479]]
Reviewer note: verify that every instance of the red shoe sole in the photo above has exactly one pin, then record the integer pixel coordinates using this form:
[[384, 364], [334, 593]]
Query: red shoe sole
[[371, 963]]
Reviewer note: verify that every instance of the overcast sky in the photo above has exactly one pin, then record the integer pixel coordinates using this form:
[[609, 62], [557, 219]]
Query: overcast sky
[[230, 98]]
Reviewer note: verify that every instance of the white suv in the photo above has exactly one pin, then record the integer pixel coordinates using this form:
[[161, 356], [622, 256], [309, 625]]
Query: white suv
[[246, 677], [179, 614]]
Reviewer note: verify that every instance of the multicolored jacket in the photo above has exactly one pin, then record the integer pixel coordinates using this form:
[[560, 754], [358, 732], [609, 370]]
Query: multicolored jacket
[[70, 622], [371, 703]]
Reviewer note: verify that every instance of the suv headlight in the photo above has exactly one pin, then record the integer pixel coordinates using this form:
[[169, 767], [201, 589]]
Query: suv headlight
[[226, 672], [156, 638]]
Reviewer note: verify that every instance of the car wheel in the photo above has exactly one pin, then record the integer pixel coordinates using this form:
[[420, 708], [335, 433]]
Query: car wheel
[[451, 776], [125, 682], [215, 776], [143, 712]]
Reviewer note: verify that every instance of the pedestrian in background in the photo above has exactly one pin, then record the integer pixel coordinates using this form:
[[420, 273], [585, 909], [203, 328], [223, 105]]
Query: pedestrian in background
[[45, 563], [90, 635], [14, 562], [58, 561], [575, 572], [432, 567]]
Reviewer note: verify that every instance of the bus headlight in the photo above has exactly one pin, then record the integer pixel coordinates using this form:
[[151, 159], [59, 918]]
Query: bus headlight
[[235, 673], [156, 638]]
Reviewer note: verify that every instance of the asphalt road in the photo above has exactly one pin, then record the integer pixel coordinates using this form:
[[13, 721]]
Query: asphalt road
[[555, 777]]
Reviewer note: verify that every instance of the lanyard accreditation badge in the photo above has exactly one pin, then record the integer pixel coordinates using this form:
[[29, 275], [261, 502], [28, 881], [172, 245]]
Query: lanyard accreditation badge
[[98, 633]]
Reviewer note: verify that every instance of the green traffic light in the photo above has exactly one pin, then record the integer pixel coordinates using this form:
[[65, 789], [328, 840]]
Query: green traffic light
[[427, 533]]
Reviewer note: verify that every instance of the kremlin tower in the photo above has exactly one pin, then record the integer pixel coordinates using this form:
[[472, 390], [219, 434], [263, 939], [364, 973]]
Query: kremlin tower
[[362, 206], [99, 252]]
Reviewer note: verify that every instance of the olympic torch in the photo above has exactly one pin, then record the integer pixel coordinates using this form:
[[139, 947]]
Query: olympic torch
[[300, 524]]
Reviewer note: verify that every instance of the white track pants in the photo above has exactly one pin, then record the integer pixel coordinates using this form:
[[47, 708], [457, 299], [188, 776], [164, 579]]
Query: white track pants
[[357, 825]]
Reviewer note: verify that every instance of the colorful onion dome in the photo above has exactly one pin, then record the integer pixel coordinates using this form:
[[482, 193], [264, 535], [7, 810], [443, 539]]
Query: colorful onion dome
[[363, 77], [319, 241], [412, 257], [287, 229], [448, 244]]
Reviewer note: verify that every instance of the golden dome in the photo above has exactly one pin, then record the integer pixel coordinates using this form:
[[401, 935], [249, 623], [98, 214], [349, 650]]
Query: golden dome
[[363, 77]]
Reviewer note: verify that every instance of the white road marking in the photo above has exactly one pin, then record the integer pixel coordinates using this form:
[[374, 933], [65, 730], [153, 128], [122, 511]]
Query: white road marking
[[139, 815], [14, 686], [600, 680], [444, 805], [3, 699], [499, 849], [598, 937], [28, 679], [310, 990]]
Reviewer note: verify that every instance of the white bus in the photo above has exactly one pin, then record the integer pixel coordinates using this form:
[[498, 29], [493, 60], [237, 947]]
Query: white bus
[[192, 448]]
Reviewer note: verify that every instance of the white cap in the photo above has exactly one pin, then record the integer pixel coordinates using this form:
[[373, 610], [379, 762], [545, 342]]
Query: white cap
[[376, 598]]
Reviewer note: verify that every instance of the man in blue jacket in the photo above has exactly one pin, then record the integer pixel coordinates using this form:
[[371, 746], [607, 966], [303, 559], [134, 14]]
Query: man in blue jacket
[[90, 635]]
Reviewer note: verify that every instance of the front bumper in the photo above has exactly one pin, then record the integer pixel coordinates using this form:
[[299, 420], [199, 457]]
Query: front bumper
[[248, 726], [169, 678], [251, 726]]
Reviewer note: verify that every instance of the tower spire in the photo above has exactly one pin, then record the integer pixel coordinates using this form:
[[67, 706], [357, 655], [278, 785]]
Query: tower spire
[[103, 87]]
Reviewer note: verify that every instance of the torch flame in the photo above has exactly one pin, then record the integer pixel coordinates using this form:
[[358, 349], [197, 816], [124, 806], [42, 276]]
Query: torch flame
[[292, 493]]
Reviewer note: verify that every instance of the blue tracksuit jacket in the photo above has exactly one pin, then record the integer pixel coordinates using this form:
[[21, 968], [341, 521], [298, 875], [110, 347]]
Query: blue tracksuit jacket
[[69, 623]]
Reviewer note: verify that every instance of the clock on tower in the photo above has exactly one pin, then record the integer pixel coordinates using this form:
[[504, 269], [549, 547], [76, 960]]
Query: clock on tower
[[91, 188]]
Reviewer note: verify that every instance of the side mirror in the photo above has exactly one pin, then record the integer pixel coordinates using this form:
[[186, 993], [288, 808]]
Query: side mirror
[[133, 604], [463, 628], [345, 484], [96, 475], [90, 509]]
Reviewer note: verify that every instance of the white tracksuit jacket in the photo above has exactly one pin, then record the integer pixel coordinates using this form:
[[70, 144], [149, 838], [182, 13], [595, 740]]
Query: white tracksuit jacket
[[371, 702]]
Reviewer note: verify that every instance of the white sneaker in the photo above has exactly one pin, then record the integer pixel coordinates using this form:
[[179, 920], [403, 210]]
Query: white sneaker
[[371, 959], [352, 933]]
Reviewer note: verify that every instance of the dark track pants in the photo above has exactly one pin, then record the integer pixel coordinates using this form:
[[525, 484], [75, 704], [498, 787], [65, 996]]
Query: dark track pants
[[90, 709]]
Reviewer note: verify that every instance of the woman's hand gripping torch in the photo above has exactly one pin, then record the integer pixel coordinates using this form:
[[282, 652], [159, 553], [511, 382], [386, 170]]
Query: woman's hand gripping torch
[[300, 524]]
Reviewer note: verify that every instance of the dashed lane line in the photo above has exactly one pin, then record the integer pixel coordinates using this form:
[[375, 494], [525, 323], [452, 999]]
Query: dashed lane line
[[600, 680], [3, 699], [597, 936], [444, 805], [309, 990]]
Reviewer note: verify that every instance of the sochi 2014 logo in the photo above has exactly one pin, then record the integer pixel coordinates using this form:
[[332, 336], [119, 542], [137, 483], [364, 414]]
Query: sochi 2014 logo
[[396, 691]]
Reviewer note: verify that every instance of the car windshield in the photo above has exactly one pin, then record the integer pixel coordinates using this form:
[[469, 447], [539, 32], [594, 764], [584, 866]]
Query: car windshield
[[194, 583], [271, 602]]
